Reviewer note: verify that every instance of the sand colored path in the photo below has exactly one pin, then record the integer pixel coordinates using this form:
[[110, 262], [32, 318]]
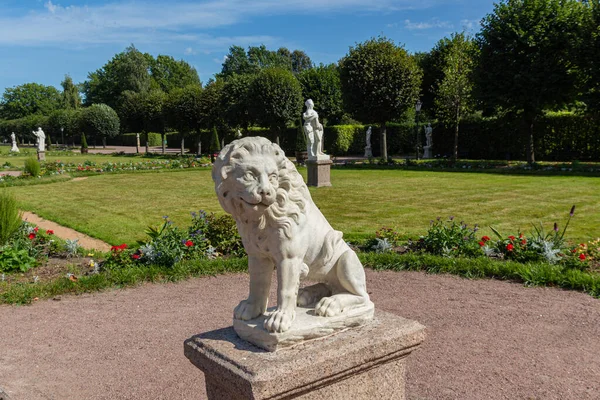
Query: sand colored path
[[486, 339], [63, 232]]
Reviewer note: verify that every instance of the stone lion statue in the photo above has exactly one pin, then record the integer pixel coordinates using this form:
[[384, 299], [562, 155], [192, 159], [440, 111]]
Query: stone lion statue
[[282, 228]]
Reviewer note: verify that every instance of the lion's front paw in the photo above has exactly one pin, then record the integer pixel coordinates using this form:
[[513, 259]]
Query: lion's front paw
[[279, 321], [329, 307], [247, 310]]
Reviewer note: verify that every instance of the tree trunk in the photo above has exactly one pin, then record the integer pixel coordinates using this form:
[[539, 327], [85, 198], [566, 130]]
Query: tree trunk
[[163, 138], [182, 145], [530, 148], [455, 152], [384, 154], [103, 142]]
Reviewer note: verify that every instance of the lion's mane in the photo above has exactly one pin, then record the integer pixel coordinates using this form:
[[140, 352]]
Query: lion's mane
[[292, 195]]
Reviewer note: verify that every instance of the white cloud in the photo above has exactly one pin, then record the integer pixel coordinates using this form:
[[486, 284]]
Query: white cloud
[[469, 24], [164, 21], [433, 23]]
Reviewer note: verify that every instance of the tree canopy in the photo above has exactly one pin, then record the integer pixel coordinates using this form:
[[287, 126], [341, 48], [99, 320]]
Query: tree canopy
[[27, 99], [322, 85], [70, 95], [380, 82], [529, 55], [100, 120], [238, 61]]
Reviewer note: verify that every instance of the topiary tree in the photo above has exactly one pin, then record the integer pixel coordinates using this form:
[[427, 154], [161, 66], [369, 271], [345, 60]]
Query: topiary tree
[[84, 145], [183, 111], [380, 82], [277, 99], [322, 85], [100, 120], [528, 58], [215, 145]]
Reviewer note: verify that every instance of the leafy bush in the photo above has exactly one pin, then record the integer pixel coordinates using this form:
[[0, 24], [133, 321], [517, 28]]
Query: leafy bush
[[220, 232], [14, 259], [32, 167], [449, 238], [10, 217]]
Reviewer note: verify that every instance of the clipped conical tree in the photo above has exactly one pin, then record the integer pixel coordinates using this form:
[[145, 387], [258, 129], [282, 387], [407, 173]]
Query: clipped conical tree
[[84, 145], [215, 144]]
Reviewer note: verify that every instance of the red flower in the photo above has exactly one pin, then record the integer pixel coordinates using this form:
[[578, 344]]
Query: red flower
[[135, 256], [485, 238], [189, 243], [511, 237], [49, 232], [36, 229], [520, 236], [482, 244], [118, 248], [31, 236], [582, 256], [510, 247], [524, 242]]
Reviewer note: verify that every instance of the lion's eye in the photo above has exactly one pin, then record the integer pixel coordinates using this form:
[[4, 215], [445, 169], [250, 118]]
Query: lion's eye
[[273, 178], [249, 176]]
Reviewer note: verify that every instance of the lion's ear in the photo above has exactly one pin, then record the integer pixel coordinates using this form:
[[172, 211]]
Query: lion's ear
[[225, 171]]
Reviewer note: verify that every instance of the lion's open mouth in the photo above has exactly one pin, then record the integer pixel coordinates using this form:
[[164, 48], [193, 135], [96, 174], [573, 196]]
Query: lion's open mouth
[[260, 203]]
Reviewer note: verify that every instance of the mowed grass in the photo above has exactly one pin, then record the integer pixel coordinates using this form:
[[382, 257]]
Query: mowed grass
[[18, 159], [118, 208]]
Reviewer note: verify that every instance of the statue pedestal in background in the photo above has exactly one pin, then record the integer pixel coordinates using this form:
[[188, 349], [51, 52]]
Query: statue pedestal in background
[[319, 172], [368, 152], [362, 363], [41, 155], [427, 152]]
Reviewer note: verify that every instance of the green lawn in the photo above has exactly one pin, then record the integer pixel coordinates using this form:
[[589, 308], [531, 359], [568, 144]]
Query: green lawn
[[117, 208]]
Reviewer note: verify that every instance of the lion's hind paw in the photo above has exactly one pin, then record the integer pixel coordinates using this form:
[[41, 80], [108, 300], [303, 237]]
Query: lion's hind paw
[[278, 321], [311, 294], [329, 307], [247, 311]]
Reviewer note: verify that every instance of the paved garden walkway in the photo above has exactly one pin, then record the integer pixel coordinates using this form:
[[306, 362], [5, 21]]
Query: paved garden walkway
[[486, 339], [63, 232]]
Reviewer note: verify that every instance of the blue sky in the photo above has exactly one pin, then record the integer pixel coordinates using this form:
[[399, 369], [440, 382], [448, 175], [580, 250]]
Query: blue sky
[[42, 40]]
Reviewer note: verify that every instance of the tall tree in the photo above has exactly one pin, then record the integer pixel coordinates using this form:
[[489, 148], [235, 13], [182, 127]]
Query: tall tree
[[237, 62], [322, 85], [256, 58], [128, 70], [432, 63], [277, 99], [236, 100], [529, 53], [300, 61], [153, 112], [454, 91], [592, 56], [183, 111], [29, 98], [168, 73], [70, 95], [100, 120], [380, 82]]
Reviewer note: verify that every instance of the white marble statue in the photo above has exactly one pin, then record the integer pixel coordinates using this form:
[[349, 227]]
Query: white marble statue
[[368, 150], [282, 229], [14, 148], [428, 134], [314, 133], [238, 134], [40, 139]]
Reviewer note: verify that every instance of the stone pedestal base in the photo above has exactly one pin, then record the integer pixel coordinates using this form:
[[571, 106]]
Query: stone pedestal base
[[368, 152], [41, 155], [427, 152], [319, 172], [361, 363]]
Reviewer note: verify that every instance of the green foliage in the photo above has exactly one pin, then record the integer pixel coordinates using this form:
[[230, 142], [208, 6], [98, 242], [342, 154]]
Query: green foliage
[[454, 98], [529, 52], [10, 217], [129, 139], [238, 61], [84, 144], [169, 74], [32, 167], [13, 259], [450, 239], [220, 231], [27, 99], [210, 110], [183, 109], [215, 144], [70, 99], [301, 144], [277, 99], [236, 100], [380, 82], [322, 85], [128, 70], [68, 119], [100, 120]]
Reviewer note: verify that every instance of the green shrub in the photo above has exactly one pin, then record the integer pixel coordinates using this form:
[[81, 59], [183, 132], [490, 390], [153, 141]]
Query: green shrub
[[14, 259], [215, 144], [129, 139], [451, 239], [10, 217], [32, 167], [220, 231]]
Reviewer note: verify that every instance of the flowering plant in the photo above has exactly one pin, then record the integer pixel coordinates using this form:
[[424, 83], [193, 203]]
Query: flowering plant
[[449, 238]]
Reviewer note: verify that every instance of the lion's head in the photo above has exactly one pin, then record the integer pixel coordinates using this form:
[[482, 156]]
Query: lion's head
[[255, 182]]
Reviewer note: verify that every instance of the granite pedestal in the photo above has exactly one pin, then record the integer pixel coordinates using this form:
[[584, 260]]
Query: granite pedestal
[[364, 363], [41, 156], [319, 172], [427, 152]]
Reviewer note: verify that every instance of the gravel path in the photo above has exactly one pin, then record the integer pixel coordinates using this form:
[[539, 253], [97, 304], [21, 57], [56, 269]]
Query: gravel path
[[85, 241], [486, 339]]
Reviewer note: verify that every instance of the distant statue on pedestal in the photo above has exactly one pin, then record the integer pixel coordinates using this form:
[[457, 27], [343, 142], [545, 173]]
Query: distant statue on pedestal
[[14, 148], [238, 134], [314, 133], [368, 150], [428, 137], [40, 139]]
